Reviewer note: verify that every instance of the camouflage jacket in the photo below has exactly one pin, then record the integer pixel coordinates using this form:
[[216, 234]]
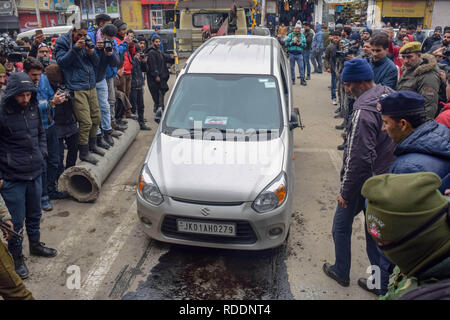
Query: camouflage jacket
[[425, 80], [4, 213], [400, 284]]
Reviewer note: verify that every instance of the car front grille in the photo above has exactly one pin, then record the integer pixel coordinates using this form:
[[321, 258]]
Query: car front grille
[[244, 232]]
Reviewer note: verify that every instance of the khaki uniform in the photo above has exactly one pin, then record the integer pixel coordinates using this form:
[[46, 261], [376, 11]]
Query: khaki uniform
[[425, 80], [11, 285], [87, 112]]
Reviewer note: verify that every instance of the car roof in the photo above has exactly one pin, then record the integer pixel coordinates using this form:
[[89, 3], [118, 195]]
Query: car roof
[[49, 31], [234, 55]]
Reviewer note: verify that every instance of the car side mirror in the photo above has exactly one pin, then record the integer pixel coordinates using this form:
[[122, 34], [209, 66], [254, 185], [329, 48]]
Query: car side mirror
[[294, 122]]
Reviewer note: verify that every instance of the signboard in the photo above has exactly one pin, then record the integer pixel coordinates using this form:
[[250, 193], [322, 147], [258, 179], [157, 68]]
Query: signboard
[[63, 4], [338, 1], [29, 21], [132, 14], [6, 7], [112, 6], [403, 8], [44, 4]]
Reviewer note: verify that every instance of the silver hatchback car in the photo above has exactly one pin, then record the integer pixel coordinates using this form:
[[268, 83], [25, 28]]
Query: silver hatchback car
[[219, 172]]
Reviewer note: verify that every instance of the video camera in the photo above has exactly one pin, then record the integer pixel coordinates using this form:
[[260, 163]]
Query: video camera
[[12, 51], [347, 47]]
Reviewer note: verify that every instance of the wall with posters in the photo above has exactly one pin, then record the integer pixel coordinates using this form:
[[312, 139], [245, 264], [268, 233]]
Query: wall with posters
[[131, 13], [90, 8]]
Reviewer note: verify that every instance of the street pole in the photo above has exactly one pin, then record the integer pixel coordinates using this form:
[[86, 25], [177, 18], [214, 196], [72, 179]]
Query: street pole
[[263, 13], [38, 13]]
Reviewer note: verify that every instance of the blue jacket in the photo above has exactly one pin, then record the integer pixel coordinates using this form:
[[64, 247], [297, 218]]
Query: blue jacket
[[120, 49], [317, 43], [427, 148], [385, 72], [77, 65], [44, 95], [23, 145]]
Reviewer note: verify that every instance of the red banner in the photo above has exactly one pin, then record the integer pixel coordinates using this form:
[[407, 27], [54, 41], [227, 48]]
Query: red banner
[[29, 21]]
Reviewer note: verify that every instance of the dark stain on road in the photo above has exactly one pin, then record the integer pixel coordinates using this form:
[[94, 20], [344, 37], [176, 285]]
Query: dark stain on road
[[190, 273]]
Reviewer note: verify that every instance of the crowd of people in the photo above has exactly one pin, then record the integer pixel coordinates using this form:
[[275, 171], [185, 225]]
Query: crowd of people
[[396, 161], [76, 92]]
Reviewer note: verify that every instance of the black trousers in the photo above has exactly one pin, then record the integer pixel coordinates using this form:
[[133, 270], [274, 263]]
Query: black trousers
[[158, 97], [137, 103], [72, 152]]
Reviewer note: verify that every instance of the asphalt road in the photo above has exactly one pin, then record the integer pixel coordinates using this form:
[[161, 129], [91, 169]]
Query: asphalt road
[[115, 259]]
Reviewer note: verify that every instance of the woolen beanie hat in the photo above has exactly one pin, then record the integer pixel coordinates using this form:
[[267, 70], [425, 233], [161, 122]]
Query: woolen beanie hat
[[298, 24], [357, 70], [408, 213], [2, 69]]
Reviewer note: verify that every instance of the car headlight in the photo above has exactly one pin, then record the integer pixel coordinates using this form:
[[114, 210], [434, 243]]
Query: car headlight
[[148, 189], [272, 196]]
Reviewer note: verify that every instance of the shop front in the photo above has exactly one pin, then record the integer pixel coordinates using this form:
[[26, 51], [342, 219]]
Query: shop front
[[397, 12], [28, 20], [290, 11], [345, 12], [158, 13]]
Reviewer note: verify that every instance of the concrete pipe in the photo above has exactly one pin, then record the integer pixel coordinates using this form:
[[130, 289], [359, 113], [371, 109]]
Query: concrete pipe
[[84, 180]]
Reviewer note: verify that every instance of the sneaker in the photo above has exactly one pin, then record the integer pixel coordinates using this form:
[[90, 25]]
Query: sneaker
[[143, 126], [45, 204], [334, 101]]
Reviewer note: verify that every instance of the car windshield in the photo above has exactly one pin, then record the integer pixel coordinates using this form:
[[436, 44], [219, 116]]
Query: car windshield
[[225, 102]]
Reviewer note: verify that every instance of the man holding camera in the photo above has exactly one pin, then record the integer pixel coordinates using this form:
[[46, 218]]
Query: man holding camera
[[296, 43], [43, 55], [108, 56], [47, 100], [75, 54]]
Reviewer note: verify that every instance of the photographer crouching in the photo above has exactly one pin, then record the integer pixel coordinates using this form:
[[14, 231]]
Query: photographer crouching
[[76, 55]]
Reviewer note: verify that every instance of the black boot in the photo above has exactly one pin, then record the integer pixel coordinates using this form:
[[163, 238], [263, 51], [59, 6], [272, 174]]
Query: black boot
[[303, 82], [143, 126], [341, 126], [38, 249], [329, 271], [93, 146], [101, 143], [116, 134], [107, 137], [117, 126], [158, 115], [85, 155], [20, 266]]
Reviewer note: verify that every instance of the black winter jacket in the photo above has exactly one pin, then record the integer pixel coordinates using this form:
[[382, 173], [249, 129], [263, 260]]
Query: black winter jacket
[[157, 67], [23, 145], [137, 78]]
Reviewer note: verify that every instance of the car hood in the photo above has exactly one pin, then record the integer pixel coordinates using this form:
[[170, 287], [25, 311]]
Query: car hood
[[228, 171]]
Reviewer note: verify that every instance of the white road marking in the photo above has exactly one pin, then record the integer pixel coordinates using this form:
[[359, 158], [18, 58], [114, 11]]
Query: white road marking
[[102, 265], [76, 234]]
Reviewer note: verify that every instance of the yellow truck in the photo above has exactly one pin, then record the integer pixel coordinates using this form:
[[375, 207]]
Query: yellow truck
[[195, 14]]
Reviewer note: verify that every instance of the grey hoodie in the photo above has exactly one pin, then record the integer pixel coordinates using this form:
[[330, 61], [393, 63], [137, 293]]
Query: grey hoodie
[[369, 151]]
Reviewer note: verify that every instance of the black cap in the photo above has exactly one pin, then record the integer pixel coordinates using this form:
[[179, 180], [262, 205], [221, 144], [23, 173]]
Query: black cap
[[402, 103]]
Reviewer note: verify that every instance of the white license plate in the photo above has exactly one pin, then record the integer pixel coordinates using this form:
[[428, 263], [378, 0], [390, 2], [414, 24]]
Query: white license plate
[[214, 228]]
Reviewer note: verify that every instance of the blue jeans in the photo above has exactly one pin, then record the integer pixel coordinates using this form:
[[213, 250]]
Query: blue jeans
[[292, 59], [105, 108], [51, 164], [306, 57], [342, 233], [316, 60], [333, 85], [23, 200]]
